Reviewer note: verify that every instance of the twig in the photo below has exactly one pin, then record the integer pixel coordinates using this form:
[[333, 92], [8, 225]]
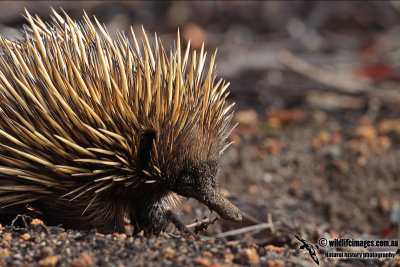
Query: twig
[[202, 225], [251, 218], [258, 227], [271, 222], [343, 83], [22, 217], [347, 84], [205, 220], [374, 105], [179, 225]]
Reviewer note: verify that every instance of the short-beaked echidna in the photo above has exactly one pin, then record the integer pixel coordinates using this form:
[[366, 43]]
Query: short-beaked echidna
[[95, 130]]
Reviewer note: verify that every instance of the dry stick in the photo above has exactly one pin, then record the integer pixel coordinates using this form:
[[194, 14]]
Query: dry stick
[[251, 218], [271, 222], [22, 216], [258, 227], [203, 224], [206, 220], [330, 78], [345, 84], [178, 223]]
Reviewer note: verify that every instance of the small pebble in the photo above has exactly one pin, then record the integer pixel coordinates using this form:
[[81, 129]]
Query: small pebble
[[361, 160], [202, 262], [195, 33], [247, 117], [36, 222], [26, 236], [274, 248], [7, 237], [83, 260], [48, 261], [63, 234], [4, 253], [47, 251], [207, 254], [251, 256], [275, 263], [17, 256], [56, 230], [229, 257], [367, 132], [192, 238], [169, 253]]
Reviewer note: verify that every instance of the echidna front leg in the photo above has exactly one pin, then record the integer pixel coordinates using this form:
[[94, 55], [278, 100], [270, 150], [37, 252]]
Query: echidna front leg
[[150, 215]]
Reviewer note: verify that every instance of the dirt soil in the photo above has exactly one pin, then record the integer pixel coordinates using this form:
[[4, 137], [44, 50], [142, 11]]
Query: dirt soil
[[316, 152]]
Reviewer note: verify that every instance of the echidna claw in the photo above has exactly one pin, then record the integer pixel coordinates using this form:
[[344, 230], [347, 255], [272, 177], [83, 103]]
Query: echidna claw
[[173, 217], [22, 217]]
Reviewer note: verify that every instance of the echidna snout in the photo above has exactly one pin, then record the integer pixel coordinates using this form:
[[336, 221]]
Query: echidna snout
[[223, 207], [199, 181]]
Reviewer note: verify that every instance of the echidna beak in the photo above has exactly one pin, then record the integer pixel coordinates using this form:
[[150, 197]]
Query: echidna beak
[[222, 206]]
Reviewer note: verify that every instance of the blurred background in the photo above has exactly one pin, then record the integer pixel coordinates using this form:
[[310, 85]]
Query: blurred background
[[316, 86]]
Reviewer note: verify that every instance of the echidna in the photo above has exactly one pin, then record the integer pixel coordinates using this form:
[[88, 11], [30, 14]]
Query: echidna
[[95, 130]]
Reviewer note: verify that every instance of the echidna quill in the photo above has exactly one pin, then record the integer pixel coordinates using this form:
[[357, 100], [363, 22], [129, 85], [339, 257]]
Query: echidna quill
[[95, 130]]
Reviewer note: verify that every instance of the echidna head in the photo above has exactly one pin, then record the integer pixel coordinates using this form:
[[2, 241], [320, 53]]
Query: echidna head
[[199, 181], [190, 170]]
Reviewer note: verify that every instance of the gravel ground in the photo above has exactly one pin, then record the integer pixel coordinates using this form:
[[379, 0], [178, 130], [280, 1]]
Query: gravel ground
[[53, 246], [40, 245], [310, 157]]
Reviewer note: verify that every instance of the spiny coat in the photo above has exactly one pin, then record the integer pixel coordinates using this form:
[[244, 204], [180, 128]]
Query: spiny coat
[[95, 130]]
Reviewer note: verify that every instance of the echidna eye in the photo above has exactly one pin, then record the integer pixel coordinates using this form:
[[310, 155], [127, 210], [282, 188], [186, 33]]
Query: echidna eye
[[188, 181]]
